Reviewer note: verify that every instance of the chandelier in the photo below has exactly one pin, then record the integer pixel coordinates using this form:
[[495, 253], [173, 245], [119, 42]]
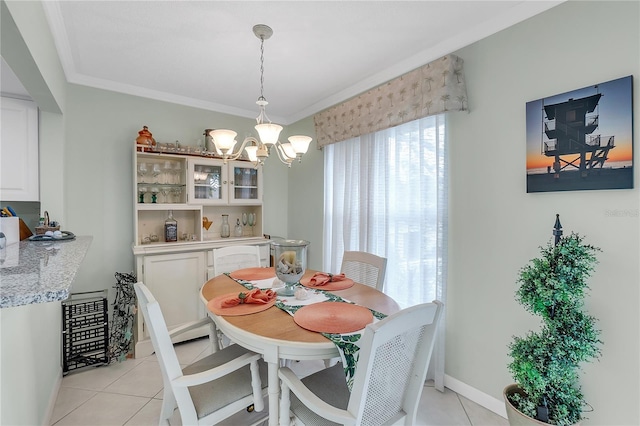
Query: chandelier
[[258, 150]]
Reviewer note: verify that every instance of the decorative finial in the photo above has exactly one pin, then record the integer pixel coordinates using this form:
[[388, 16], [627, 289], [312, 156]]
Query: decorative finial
[[557, 229]]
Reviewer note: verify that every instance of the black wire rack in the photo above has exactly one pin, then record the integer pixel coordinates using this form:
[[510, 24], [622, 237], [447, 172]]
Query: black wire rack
[[85, 325]]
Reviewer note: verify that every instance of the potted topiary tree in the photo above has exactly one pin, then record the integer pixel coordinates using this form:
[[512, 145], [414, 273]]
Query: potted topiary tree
[[545, 364]]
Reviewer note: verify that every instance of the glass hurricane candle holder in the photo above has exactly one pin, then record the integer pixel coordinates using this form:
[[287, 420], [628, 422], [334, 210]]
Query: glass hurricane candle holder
[[291, 263]]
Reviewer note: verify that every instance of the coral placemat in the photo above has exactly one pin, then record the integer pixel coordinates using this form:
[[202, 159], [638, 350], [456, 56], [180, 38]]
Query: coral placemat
[[215, 306], [330, 286], [249, 274], [333, 317]]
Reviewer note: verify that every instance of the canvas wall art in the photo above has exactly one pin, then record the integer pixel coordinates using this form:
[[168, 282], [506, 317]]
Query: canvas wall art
[[581, 140]]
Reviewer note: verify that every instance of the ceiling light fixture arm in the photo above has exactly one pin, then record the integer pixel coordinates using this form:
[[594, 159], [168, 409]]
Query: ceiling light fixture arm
[[282, 155]]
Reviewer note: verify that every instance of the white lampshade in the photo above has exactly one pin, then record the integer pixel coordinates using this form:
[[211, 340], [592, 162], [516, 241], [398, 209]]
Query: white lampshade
[[269, 133], [252, 152], [224, 139], [300, 143], [287, 148]]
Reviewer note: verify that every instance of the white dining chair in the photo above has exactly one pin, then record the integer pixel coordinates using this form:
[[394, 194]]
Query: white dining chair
[[389, 377], [232, 258], [364, 268], [223, 386], [229, 259]]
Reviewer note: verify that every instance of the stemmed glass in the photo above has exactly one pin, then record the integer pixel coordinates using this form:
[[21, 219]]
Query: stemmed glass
[[155, 172], [252, 221], [177, 168], [141, 191], [176, 191], [165, 191], [142, 171], [154, 194], [167, 170]]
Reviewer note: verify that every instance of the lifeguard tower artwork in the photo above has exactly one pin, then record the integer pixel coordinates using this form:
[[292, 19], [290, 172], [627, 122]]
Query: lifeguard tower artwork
[[581, 140]]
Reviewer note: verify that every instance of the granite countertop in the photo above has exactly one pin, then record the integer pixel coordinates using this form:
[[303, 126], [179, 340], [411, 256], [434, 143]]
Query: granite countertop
[[39, 271]]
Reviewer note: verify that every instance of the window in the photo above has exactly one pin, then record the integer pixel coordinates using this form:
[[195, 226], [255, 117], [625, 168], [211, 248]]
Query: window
[[386, 193]]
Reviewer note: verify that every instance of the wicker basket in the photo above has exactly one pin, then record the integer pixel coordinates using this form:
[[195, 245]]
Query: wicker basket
[[41, 230]]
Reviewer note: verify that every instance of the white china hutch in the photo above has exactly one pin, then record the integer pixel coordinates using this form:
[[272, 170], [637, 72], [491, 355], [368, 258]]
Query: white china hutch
[[198, 191]]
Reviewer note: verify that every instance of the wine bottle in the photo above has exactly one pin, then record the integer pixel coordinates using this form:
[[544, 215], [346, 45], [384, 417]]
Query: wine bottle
[[170, 228]]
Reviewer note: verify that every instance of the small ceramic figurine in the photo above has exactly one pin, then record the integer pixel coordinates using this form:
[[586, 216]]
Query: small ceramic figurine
[[145, 138]]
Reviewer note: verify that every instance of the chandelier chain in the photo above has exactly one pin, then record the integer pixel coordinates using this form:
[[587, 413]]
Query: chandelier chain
[[261, 69]]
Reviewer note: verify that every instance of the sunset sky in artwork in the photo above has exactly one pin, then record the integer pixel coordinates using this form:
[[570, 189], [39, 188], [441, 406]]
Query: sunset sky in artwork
[[614, 110]]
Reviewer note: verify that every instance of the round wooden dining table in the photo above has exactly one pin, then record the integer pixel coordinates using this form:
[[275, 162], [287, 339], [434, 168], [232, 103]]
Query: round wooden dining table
[[274, 334]]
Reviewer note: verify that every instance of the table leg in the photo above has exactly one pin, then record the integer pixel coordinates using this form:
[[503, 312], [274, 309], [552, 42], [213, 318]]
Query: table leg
[[213, 336], [274, 393]]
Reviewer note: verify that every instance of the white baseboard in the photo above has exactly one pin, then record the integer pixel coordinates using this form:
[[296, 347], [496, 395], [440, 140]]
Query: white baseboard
[[473, 394], [52, 399]]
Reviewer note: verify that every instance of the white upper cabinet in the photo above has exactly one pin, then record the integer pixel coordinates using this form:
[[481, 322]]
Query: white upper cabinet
[[19, 151], [211, 182]]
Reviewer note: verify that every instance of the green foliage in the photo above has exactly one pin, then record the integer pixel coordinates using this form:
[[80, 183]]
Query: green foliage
[[545, 364]]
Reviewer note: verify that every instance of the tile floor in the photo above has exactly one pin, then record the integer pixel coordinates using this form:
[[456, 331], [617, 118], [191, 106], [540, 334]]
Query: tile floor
[[130, 393]]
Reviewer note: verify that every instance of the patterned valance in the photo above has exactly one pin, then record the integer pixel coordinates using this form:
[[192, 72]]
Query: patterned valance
[[434, 88]]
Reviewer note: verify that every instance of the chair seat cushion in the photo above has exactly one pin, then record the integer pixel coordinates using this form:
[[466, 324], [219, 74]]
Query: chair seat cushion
[[329, 385], [212, 396]]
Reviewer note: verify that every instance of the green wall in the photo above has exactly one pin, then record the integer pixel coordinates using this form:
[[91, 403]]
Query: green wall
[[496, 227], [306, 192]]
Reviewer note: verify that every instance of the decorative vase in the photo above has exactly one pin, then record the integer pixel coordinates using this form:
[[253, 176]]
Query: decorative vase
[[291, 263], [145, 138], [225, 230], [517, 418]]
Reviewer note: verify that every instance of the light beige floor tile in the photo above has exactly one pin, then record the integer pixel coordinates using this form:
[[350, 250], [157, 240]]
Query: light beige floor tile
[[145, 379], [132, 395], [68, 400], [440, 408], [480, 416], [189, 352], [304, 368], [148, 415], [159, 395], [205, 351], [105, 409], [99, 378]]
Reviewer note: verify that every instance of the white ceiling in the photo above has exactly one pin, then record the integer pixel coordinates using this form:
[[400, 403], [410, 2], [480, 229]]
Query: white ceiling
[[204, 53]]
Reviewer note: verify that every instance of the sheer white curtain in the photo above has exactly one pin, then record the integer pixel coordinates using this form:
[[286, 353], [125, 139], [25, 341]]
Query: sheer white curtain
[[386, 194]]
